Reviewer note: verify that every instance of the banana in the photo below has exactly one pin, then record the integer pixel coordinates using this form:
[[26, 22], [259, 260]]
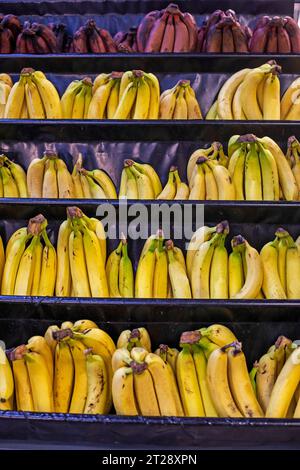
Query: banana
[[237, 109], [112, 271], [24, 277], [2, 259], [226, 190], [284, 241], [235, 271], [286, 177], [201, 235], [292, 272], [21, 380], [248, 92], [126, 102], [106, 183], [63, 377], [167, 105], [123, 392], [39, 345], [96, 190], [63, 278], [201, 369], [82, 325], [210, 152], [49, 337], [49, 96], [290, 96], [167, 395], [144, 390], [254, 270], [113, 100], [5, 90], [80, 388], [96, 226], [285, 387], [48, 269], [78, 265], [212, 113], [271, 286], [19, 176], [253, 183], [101, 79], [194, 111], [181, 110], [211, 187], [68, 99], [120, 358], [153, 83], [271, 97], [137, 337], [219, 271], [50, 187], [79, 104], [227, 92], [151, 173], [179, 280], [64, 181], [240, 384], [269, 175], [169, 191], [142, 103], [97, 386], [87, 194], [15, 100], [238, 173], [182, 189], [218, 334], [33, 101], [265, 379], [13, 258], [40, 382], [126, 79], [78, 191], [99, 100], [218, 385], [98, 340], [188, 384], [10, 188], [6, 383], [144, 184], [160, 277], [126, 275], [95, 264], [131, 191], [35, 177], [144, 273]]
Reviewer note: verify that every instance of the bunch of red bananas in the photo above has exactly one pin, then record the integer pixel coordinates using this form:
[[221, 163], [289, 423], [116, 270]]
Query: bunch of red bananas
[[126, 41], [37, 38], [90, 38], [10, 28], [167, 30], [222, 32], [276, 35]]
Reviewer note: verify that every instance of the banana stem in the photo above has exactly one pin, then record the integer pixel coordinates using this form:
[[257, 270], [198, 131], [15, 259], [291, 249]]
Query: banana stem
[[36, 225]]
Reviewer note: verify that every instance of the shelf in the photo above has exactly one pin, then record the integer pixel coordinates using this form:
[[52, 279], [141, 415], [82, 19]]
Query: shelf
[[156, 130], [156, 63], [150, 310]]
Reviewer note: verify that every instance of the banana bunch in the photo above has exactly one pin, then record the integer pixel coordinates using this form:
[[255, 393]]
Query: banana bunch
[[94, 184], [139, 181], [129, 95], [75, 101], [281, 266], [5, 88], [175, 188], [293, 157], [66, 370], [144, 384], [259, 170], [249, 94], [30, 265], [191, 368], [119, 272], [81, 253], [33, 96], [12, 179], [179, 102], [290, 106], [138, 337], [2, 258], [49, 177], [6, 383], [161, 271]]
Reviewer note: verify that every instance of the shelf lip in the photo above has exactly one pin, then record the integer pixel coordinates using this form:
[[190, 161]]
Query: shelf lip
[[110, 418], [110, 302]]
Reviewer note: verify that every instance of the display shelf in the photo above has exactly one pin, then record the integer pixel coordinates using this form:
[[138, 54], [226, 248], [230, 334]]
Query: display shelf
[[162, 63]]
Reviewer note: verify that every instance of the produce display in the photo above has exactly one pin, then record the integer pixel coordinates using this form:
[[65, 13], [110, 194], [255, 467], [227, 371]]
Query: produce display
[[77, 368], [166, 30]]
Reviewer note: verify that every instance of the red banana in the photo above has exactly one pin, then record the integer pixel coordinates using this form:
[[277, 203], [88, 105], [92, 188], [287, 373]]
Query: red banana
[[294, 33], [95, 42], [145, 28], [239, 38], [227, 37], [6, 41], [108, 40], [29, 42], [40, 45], [259, 39], [201, 38], [47, 34], [79, 43], [191, 25], [167, 44], [119, 37], [21, 44], [214, 40], [214, 18], [272, 47], [284, 43], [181, 43], [156, 34], [13, 23]]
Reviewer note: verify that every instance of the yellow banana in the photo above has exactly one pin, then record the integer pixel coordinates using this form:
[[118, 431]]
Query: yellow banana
[[254, 270], [160, 276], [24, 277], [15, 100], [80, 388], [68, 99], [33, 101], [126, 102], [10, 188], [112, 271], [265, 379], [169, 191], [235, 271], [113, 100], [99, 100], [181, 109], [219, 271], [64, 181], [167, 105], [154, 95], [97, 385], [179, 280], [253, 183], [63, 278], [50, 187], [6, 383], [63, 377], [144, 184], [292, 272], [201, 235], [79, 103], [35, 177], [182, 189], [49, 96], [12, 262], [271, 97], [193, 107], [39, 345], [40, 382], [123, 392], [227, 92], [201, 369], [144, 273], [105, 182], [48, 269], [218, 334], [21, 380], [142, 104], [144, 390], [126, 275], [19, 176], [290, 96], [272, 287], [78, 265], [248, 91]]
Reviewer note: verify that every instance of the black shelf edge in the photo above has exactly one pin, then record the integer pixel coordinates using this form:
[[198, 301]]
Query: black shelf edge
[[135, 6], [157, 63], [147, 130], [279, 212]]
